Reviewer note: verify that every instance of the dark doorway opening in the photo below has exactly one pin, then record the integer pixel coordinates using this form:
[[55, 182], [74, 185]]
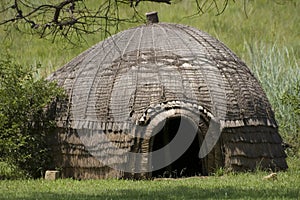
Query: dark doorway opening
[[188, 164]]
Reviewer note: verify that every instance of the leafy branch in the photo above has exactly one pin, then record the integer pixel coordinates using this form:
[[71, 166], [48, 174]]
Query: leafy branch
[[75, 17]]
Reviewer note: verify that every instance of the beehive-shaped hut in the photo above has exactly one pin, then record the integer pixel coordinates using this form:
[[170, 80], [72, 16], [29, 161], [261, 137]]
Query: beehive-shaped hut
[[162, 100]]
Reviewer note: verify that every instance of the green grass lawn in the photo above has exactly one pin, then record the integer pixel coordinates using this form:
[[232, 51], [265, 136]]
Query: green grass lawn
[[228, 186]]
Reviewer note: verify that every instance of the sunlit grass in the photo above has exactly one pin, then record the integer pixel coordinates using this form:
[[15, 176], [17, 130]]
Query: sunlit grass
[[229, 186]]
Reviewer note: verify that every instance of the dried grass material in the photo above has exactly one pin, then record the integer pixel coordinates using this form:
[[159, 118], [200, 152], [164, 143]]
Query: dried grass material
[[252, 147], [134, 75], [148, 56]]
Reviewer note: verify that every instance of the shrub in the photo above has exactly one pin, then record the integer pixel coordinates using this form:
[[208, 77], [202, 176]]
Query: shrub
[[24, 122], [291, 98], [9, 171]]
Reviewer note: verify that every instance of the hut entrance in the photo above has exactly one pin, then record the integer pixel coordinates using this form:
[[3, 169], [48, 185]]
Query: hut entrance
[[188, 164]]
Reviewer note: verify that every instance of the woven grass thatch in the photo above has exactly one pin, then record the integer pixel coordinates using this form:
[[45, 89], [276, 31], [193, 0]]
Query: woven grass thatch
[[128, 84]]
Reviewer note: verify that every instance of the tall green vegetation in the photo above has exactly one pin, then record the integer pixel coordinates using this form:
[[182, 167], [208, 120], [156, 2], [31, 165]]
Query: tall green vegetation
[[24, 121], [279, 73]]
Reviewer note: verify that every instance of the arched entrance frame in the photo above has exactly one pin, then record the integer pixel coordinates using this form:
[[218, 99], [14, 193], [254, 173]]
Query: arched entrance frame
[[198, 116]]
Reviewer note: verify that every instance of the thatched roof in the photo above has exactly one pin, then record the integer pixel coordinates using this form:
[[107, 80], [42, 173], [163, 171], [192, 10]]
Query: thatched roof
[[147, 57]]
